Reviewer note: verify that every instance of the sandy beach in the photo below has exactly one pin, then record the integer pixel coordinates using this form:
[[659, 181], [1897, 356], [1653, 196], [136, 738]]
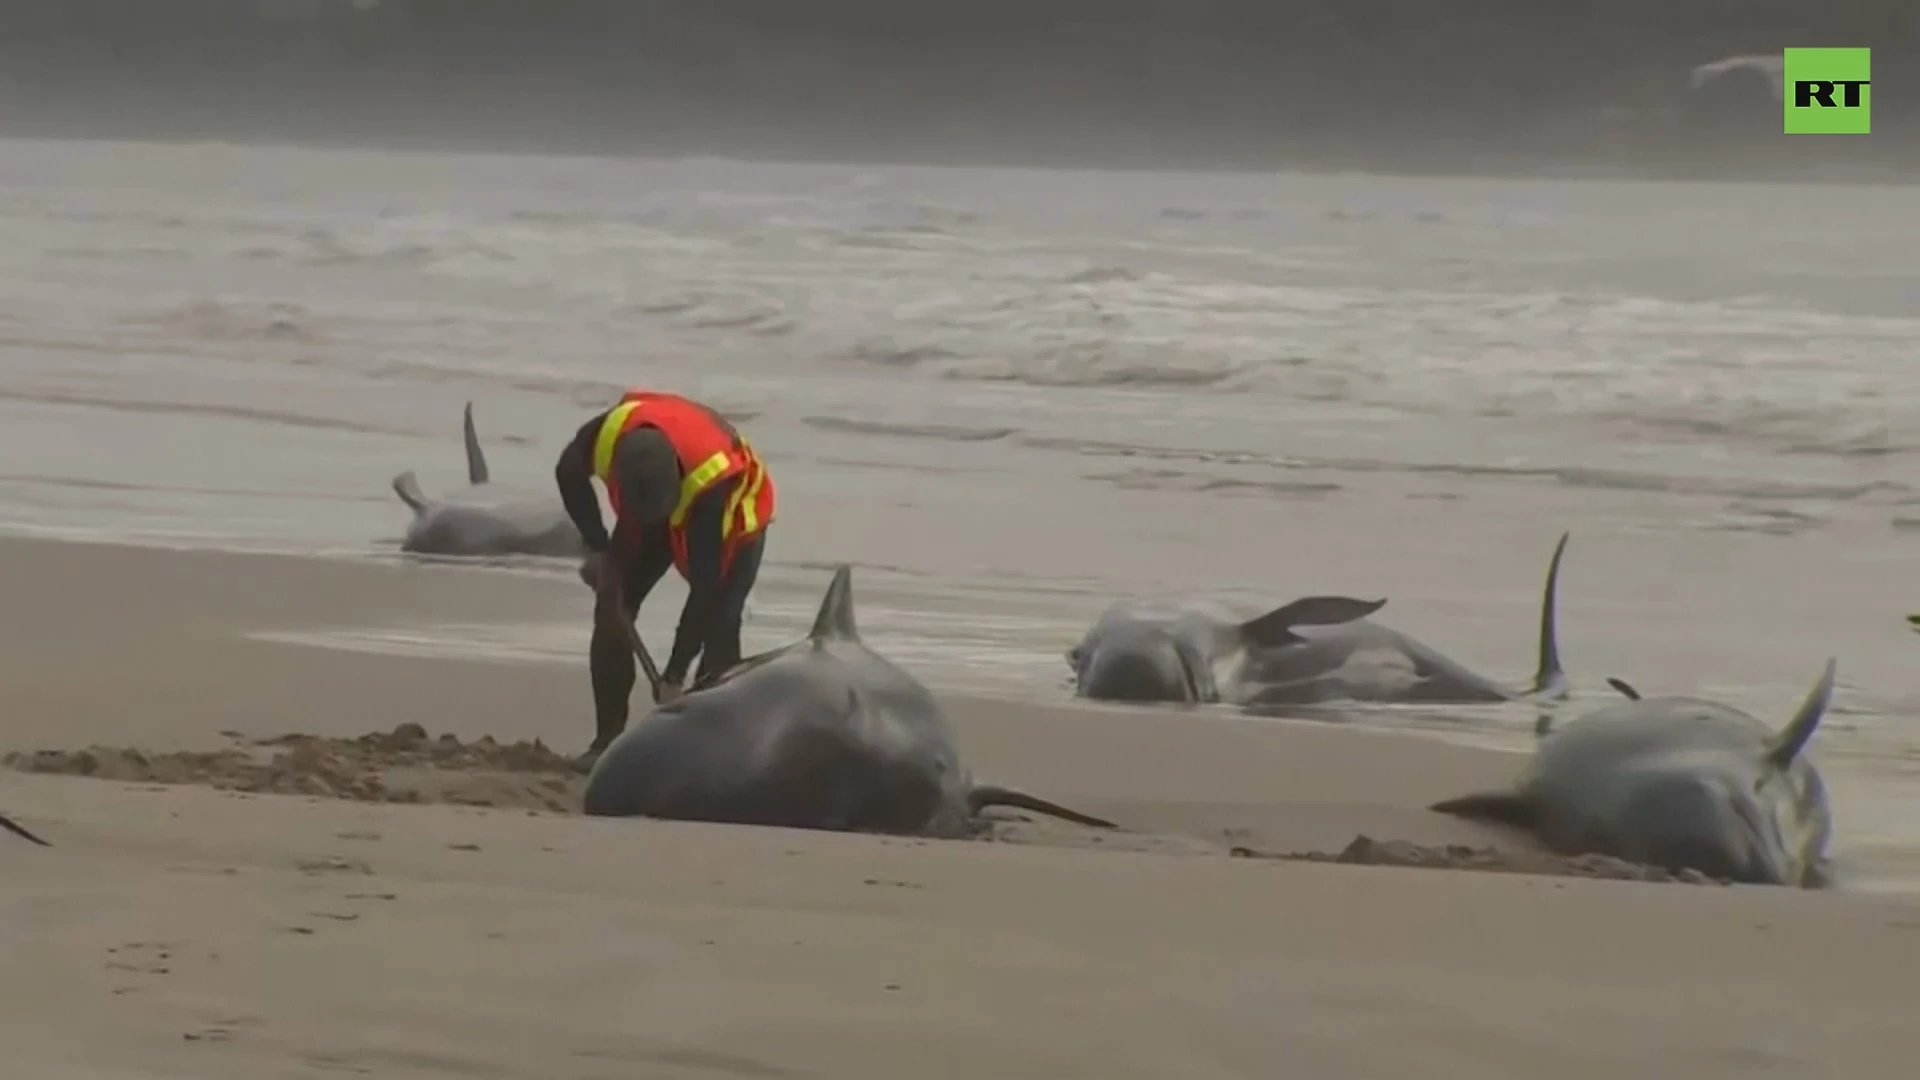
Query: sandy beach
[[178, 930]]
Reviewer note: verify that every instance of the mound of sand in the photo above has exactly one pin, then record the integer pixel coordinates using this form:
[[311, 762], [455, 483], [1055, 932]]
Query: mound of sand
[[405, 765]]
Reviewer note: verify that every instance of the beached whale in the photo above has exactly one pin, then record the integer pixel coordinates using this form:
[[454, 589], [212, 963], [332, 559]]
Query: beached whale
[[1314, 650], [1681, 783], [821, 734], [483, 518]]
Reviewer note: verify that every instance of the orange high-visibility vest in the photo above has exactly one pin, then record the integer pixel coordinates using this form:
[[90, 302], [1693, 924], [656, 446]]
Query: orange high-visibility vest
[[708, 454]]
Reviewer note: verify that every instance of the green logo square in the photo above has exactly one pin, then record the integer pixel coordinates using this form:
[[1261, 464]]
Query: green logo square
[[1827, 92]]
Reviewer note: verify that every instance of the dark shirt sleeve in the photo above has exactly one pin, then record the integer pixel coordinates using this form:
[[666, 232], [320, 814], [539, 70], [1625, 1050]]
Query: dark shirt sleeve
[[574, 474], [644, 465]]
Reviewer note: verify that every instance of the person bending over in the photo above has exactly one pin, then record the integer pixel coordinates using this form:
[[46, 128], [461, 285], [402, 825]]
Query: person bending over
[[687, 491]]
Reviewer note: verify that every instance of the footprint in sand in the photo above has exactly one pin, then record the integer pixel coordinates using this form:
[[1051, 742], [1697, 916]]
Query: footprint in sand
[[141, 960], [142, 957], [333, 864]]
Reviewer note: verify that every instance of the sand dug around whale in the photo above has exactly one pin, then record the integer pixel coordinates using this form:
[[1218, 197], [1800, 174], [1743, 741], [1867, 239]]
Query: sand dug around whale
[[405, 765]]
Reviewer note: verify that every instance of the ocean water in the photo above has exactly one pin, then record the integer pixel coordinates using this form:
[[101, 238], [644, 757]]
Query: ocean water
[[1010, 396]]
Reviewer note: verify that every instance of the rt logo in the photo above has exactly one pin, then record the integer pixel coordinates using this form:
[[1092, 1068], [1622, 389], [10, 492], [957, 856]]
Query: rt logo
[[1828, 92]]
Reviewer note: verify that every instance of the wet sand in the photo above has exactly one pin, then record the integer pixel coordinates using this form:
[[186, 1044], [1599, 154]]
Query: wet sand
[[179, 930]]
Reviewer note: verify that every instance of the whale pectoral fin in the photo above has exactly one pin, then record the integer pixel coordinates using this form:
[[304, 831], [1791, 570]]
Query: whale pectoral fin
[[740, 668], [476, 460], [20, 830], [1543, 724], [1793, 738], [1275, 628], [407, 486], [1501, 807], [986, 795]]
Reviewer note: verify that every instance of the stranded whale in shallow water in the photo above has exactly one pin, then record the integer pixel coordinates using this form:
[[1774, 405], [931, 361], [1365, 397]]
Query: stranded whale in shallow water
[[1147, 650], [1313, 650], [822, 734], [1676, 782], [484, 519]]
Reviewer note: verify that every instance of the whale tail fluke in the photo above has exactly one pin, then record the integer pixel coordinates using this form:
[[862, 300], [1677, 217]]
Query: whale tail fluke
[[407, 486], [986, 795], [1799, 731], [476, 459]]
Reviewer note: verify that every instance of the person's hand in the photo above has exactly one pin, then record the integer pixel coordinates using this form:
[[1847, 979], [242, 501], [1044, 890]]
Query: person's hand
[[590, 566], [668, 692]]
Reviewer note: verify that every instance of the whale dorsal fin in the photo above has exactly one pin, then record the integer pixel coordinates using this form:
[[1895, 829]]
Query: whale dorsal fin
[[1275, 628], [476, 461], [407, 486], [1793, 738], [1549, 678], [835, 620]]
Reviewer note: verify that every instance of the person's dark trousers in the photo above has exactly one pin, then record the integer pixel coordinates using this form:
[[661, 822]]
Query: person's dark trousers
[[717, 643]]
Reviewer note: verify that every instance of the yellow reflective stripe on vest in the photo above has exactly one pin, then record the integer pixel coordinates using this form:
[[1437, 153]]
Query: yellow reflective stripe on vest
[[610, 431], [697, 481], [746, 498]]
